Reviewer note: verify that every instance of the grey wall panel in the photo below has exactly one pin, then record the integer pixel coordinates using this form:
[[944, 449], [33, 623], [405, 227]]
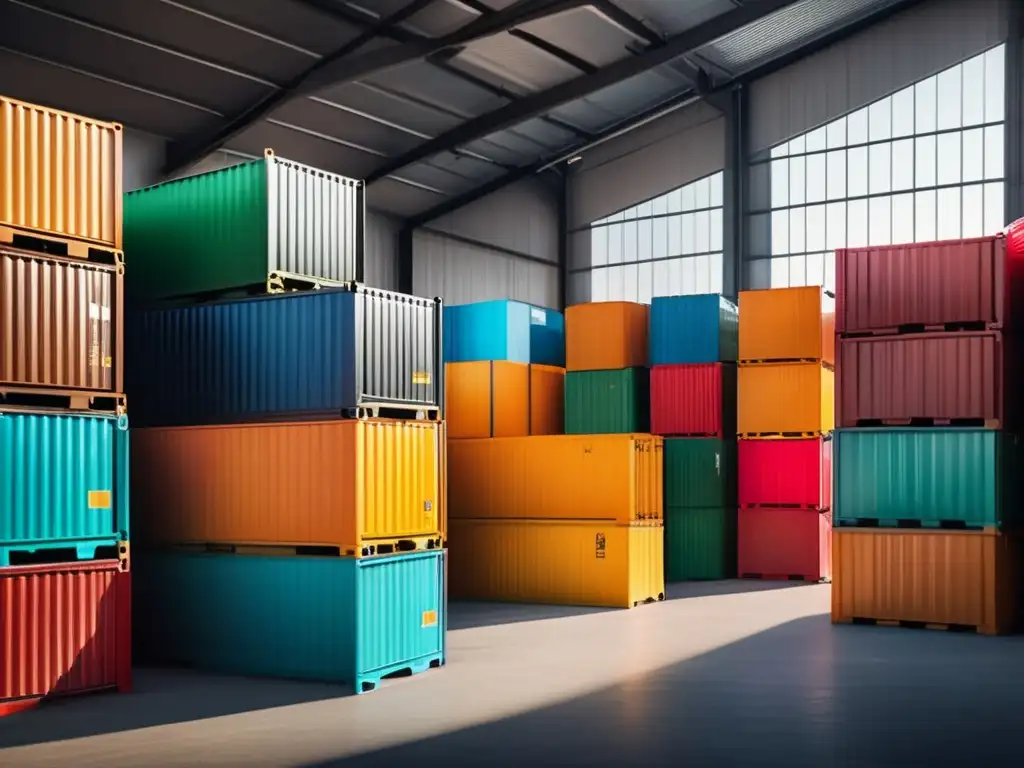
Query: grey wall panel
[[655, 158], [461, 273], [757, 274], [381, 260], [881, 60], [144, 156]]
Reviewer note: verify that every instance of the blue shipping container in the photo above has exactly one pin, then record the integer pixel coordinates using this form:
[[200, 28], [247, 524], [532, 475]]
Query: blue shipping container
[[504, 330], [693, 329], [291, 356], [63, 483], [547, 337], [330, 619]]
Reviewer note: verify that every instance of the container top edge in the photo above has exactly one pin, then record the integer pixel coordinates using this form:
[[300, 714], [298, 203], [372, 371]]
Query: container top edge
[[110, 124], [16, 571], [52, 258]]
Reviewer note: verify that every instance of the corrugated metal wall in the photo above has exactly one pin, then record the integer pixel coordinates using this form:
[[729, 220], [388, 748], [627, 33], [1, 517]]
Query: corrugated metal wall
[[380, 268]]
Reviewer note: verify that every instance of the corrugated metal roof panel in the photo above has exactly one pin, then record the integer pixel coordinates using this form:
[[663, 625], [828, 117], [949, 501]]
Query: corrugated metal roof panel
[[584, 33], [516, 61], [672, 18]]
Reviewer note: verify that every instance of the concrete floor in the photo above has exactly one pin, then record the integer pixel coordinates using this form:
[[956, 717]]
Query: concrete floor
[[730, 673]]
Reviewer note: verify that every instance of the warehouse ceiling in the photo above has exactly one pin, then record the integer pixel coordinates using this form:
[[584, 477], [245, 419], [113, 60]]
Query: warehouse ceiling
[[434, 102]]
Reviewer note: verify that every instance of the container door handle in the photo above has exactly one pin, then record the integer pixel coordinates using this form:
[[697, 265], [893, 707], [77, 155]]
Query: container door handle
[[718, 464]]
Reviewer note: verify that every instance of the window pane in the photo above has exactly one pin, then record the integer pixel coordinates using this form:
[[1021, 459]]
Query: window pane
[[924, 160], [675, 277], [675, 201], [880, 172], [949, 99], [780, 273], [797, 146], [815, 178], [857, 223], [659, 238], [689, 277], [949, 214], [816, 140], [675, 235], [645, 284], [815, 228], [924, 216], [974, 90], [836, 133], [630, 287], [994, 165], [703, 244], [702, 193], [689, 233], [974, 155], [716, 230], [880, 221], [857, 127], [797, 271], [924, 105], [599, 285], [857, 172], [835, 174], [780, 232], [880, 120], [644, 209], [815, 269], [629, 241], [835, 226], [903, 164], [617, 216], [661, 278], [702, 272], [616, 284], [797, 230], [644, 247], [599, 246], [830, 272], [688, 198], [903, 218], [797, 179], [716, 189], [994, 221], [973, 211], [903, 112], [782, 150], [995, 76], [615, 243], [659, 205], [780, 183], [716, 273], [949, 158]]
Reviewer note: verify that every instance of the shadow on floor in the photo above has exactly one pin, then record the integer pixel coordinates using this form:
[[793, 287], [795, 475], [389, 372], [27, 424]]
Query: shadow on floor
[[682, 590], [471, 614]]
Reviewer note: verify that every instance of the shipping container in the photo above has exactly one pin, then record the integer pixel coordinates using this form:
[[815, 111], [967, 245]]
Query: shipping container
[[504, 330], [700, 543], [230, 228], [693, 329], [547, 337], [66, 629], [295, 356], [694, 400], [61, 176], [329, 619], [606, 335], [954, 578], [557, 561], [598, 402], [501, 399], [61, 322], [787, 324], [925, 286], [782, 544], [700, 472], [921, 379], [787, 399], [63, 483], [932, 477], [785, 473], [608, 478], [357, 488]]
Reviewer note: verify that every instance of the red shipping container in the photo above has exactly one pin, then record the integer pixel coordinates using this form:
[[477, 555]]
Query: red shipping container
[[883, 288], [785, 473], [66, 630], [921, 378], [694, 400], [785, 543]]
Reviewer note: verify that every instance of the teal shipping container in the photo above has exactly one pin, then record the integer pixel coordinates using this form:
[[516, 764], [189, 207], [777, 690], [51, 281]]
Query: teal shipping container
[[329, 619], [503, 330], [604, 402], [693, 329], [700, 543], [930, 477], [63, 484], [700, 472]]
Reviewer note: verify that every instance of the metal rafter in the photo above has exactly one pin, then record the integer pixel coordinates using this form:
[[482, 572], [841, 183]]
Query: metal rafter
[[628, 22]]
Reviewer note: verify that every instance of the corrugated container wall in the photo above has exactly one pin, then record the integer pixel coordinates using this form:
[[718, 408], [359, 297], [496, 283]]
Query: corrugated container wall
[[296, 355], [232, 227], [504, 330], [598, 402], [503, 399], [700, 543], [561, 562], [67, 629], [694, 400], [926, 284], [606, 335], [700, 473], [63, 481], [934, 476], [693, 329], [329, 619], [787, 399], [928, 376], [785, 473], [60, 174], [354, 485], [615, 478], [785, 543], [60, 323], [787, 324]]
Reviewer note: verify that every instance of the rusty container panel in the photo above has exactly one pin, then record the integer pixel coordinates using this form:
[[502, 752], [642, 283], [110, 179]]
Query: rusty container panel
[[787, 324], [916, 379], [888, 288], [498, 398], [60, 322], [362, 487], [66, 630], [962, 578], [785, 400], [60, 174], [606, 335], [615, 478]]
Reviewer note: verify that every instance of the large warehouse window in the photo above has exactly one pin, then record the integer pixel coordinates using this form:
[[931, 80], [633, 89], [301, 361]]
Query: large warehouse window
[[923, 164], [667, 246]]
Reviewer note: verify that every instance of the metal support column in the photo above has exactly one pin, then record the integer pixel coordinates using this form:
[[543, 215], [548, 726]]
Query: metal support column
[[734, 193], [563, 238], [1014, 133]]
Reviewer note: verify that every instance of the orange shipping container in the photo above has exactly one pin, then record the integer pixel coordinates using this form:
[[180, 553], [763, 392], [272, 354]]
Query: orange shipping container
[[606, 335], [788, 324], [966, 578], [364, 487], [785, 400], [616, 478], [566, 563], [60, 174], [504, 399]]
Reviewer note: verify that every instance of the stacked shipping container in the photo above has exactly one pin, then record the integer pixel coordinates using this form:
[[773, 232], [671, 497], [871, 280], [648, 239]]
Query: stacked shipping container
[[65, 589], [693, 348], [785, 419], [927, 496]]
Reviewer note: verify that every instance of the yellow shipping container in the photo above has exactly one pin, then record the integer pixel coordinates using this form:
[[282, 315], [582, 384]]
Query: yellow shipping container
[[785, 400], [788, 324], [561, 562], [614, 478], [606, 335], [503, 399], [363, 487]]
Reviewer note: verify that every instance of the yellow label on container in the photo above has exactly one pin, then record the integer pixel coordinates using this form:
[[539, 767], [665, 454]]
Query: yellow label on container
[[600, 546], [108, 361], [99, 500], [429, 618], [421, 377]]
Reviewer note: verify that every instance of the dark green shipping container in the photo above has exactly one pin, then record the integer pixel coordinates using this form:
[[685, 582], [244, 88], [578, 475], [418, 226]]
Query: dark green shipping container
[[235, 227], [700, 543], [603, 402], [700, 472]]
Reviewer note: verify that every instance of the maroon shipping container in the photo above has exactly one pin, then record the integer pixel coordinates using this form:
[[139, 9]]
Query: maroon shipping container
[[893, 287], [60, 322], [922, 378], [785, 473], [694, 400], [66, 630], [781, 544]]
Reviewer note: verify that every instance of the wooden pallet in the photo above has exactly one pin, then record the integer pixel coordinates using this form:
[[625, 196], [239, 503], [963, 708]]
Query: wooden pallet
[[41, 398], [62, 552], [59, 245]]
